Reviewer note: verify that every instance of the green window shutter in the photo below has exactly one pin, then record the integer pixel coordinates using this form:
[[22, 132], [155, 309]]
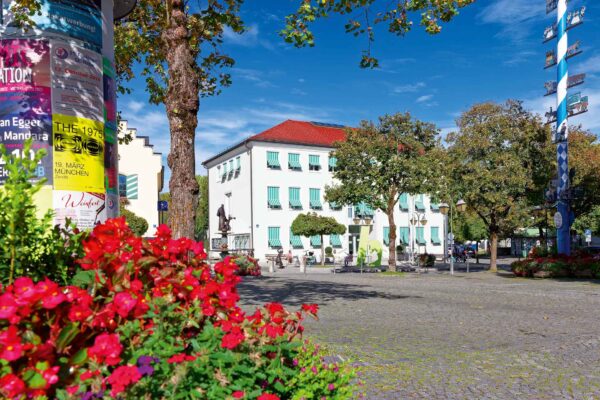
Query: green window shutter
[[273, 197], [404, 234], [295, 240], [224, 170], [419, 203], [295, 198], [315, 199], [435, 236], [313, 160], [273, 159], [274, 240], [386, 235], [238, 164], [335, 240], [404, 202], [421, 236], [294, 161], [332, 163], [132, 187], [364, 210], [315, 241]]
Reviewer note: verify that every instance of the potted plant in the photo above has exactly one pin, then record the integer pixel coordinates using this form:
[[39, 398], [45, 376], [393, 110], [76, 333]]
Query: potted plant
[[399, 252]]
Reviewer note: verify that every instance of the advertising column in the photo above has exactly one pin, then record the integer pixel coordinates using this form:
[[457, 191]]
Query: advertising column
[[57, 87]]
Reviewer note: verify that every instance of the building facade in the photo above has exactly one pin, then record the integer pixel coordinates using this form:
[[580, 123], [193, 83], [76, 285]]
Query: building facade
[[265, 181], [141, 176]]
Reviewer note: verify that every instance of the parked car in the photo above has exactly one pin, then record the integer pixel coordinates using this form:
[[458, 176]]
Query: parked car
[[592, 250]]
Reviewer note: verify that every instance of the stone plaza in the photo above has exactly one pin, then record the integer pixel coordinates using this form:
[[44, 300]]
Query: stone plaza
[[434, 336]]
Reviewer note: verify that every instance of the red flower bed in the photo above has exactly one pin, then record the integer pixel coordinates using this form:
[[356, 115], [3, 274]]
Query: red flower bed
[[84, 341]]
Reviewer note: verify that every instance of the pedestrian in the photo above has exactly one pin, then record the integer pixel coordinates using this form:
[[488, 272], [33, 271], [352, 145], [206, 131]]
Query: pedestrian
[[290, 257]]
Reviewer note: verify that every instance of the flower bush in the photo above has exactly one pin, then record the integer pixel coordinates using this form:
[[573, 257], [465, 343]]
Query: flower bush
[[580, 265], [248, 266], [151, 319]]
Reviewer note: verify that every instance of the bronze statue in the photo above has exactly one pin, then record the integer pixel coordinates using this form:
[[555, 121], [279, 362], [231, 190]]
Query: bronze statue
[[224, 225]]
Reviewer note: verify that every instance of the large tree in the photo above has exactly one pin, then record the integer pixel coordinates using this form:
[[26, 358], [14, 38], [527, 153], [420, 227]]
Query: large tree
[[495, 156], [377, 163], [311, 224]]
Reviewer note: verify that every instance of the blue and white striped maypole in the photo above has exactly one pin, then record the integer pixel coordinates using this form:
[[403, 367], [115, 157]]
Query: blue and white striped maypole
[[563, 218]]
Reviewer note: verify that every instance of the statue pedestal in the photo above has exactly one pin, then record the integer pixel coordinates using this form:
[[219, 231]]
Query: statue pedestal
[[224, 245]]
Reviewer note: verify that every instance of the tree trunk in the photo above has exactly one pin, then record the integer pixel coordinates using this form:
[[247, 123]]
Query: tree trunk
[[322, 252], [494, 251], [392, 240], [182, 104]]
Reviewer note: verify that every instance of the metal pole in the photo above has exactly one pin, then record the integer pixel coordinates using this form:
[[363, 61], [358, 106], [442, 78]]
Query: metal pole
[[452, 245], [563, 234]]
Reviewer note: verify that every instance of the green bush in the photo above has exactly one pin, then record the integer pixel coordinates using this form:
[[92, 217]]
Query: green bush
[[138, 225], [31, 246], [328, 251]]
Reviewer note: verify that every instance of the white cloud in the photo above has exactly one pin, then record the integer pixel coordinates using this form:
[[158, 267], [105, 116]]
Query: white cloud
[[425, 98], [249, 38], [409, 88], [259, 78], [515, 16], [589, 66]]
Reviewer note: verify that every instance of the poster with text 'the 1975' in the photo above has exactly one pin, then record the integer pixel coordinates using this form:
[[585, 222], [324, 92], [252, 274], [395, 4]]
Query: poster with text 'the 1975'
[[78, 154]]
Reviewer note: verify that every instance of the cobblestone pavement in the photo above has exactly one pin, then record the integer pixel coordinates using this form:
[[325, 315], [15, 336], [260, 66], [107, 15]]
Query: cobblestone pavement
[[433, 336]]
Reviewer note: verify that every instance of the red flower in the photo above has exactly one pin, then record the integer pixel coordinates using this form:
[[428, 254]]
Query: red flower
[[11, 386], [8, 306], [238, 394], [310, 308], [107, 348], [10, 344], [179, 358], [122, 377], [25, 291], [79, 312], [232, 339], [267, 396], [124, 303], [51, 294]]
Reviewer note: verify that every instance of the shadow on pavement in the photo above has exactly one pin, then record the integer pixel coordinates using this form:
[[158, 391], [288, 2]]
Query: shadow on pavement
[[296, 292]]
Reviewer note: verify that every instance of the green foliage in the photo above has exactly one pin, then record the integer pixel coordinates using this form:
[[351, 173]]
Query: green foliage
[[468, 226], [31, 246], [590, 220], [138, 225], [311, 224], [494, 159], [328, 251], [365, 14], [377, 163], [584, 158], [202, 210]]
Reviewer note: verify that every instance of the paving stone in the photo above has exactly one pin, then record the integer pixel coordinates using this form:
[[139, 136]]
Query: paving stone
[[433, 336]]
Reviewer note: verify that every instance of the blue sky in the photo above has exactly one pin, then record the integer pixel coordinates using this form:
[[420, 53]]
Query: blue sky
[[492, 51]]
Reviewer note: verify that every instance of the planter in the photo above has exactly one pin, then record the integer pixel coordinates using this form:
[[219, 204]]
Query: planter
[[584, 274]]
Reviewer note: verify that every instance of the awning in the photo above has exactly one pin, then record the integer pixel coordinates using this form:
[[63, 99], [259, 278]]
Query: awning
[[364, 210], [315, 199], [313, 161], [273, 197], [404, 234], [296, 241], [335, 240], [435, 236], [334, 206], [332, 162], [294, 161], [295, 198], [273, 159], [421, 236], [386, 235], [404, 202], [274, 237], [315, 241], [435, 207], [419, 203]]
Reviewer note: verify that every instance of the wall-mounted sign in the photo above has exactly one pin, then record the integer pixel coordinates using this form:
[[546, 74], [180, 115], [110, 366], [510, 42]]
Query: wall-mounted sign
[[573, 19], [573, 81], [558, 220]]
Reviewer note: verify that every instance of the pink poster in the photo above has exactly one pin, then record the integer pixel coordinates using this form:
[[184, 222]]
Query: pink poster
[[83, 208]]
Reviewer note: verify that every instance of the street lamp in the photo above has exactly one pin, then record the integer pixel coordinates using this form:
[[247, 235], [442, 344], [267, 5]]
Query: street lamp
[[445, 209], [415, 219]]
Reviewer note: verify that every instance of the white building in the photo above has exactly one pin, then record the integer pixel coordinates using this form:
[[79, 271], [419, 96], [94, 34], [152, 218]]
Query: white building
[[141, 176], [265, 181]]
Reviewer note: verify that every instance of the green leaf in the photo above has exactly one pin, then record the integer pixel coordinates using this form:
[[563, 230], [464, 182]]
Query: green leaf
[[66, 335]]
